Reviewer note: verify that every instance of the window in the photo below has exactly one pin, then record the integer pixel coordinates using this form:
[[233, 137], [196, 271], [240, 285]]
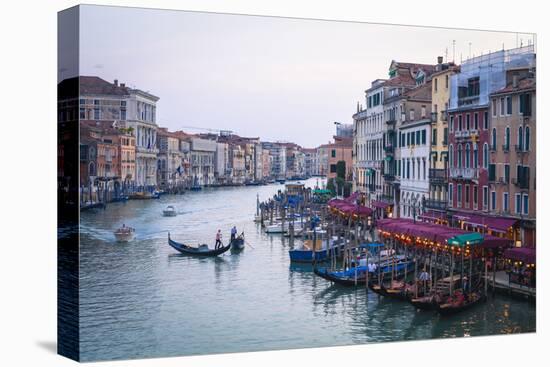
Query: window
[[494, 107], [467, 157], [82, 113], [333, 153], [474, 197], [493, 200], [411, 114], [445, 135], [96, 102], [476, 158], [509, 105], [96, 113], [435, 84], [459, 156], [123, 103], [451, 156], [492, 172], [434, 136], [494, 139], [467, 196], [446, 81], [451, 194], [332, 168], [502, 110], [452, 123], [520, 138], [418, 135], [408, 169], [468, 121], [527, 139], [506, 173], [423, 112], [473, 87], [408, 139], [459, 195], [485, 120], [485, 197], [459, 122], [518, 204], [123, 114], [525, 204], [505, 202], [525, 104], [507, 139]]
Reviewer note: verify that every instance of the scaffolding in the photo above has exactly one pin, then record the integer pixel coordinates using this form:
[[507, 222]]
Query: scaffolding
[[482, 75]]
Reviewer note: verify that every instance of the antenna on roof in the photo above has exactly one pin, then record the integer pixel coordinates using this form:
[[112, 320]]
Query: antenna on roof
[[454, 43], [446, 54], [469, 50]]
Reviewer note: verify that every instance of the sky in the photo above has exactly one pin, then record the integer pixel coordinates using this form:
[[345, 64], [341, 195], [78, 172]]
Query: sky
[[274, 78]]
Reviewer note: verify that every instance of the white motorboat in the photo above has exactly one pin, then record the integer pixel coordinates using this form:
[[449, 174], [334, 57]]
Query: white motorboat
[[170, 211], [278, 227], [124, 234]]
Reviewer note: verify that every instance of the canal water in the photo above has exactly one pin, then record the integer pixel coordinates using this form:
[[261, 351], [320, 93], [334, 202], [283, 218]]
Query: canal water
[[143, 299]]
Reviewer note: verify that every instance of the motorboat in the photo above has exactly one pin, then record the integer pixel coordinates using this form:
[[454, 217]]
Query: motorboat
[[170, 211], [124, 234]]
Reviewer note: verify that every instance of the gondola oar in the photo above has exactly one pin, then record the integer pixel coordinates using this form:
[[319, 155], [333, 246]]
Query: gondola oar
[[245, 241]]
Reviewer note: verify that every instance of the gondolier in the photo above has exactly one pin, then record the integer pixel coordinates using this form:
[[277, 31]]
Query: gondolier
[[233, 233], [219, 239]]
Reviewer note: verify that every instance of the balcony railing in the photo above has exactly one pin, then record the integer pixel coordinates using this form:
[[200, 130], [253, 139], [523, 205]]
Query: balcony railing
[[506, 147], [444, 115], [387, 198], [435, 204], [464, 173], [437, 174], [388, 149], [465, 134], [389, 176], [434, 117], [391, 120], [519, 148], [468, 101]]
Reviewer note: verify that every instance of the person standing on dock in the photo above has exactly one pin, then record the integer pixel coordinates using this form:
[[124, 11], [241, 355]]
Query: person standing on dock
[[233, 233], [219, 239]]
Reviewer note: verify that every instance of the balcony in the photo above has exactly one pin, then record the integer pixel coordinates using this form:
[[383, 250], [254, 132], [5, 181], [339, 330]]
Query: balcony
[[464, 173], [444, 116], [389, 176], [466, 134], [519, 148], [506, 147], [387, 198], [468, 101], [391, 120], [434, 117], [435, 204], [388, 149], [437, 175]]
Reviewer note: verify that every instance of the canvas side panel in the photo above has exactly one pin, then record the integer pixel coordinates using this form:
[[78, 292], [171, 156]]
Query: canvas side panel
[[67, 185]]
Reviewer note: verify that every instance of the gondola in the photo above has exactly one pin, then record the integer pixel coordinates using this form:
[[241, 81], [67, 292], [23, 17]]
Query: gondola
[[426, 303], [395, 293], [237, 244], [344, 280], [450, 308], [201, 251]]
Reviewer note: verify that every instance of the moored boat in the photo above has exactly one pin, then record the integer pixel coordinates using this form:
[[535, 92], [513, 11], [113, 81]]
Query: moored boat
[[459, 302]]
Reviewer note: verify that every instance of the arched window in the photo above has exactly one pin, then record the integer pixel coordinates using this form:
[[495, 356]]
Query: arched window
[[520, 138], [467, 157], [451, 156], [527, 139], [494, 139], [507, 138], [476, 158], [459, 156], [485, 156]]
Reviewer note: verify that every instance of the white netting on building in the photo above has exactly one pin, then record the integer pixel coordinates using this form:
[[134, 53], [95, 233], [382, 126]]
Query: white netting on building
[[483, 75]]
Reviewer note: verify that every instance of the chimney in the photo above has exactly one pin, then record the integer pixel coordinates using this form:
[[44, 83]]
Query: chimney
[[116, 82], [440, 59], [123, 85], [514, 81]]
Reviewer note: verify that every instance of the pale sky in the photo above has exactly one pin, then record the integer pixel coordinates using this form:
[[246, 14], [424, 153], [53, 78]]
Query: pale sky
[[276, 78]]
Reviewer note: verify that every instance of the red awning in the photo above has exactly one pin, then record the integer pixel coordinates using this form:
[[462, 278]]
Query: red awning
[[497, 224], [527, 255], [379, 204]]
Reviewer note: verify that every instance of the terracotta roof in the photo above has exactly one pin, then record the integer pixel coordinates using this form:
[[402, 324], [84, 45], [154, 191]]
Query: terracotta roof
[[414, 68], [523, 84], [96, 85]]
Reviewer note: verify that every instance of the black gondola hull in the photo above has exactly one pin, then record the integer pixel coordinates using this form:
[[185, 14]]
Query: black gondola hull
[[193, 251]]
